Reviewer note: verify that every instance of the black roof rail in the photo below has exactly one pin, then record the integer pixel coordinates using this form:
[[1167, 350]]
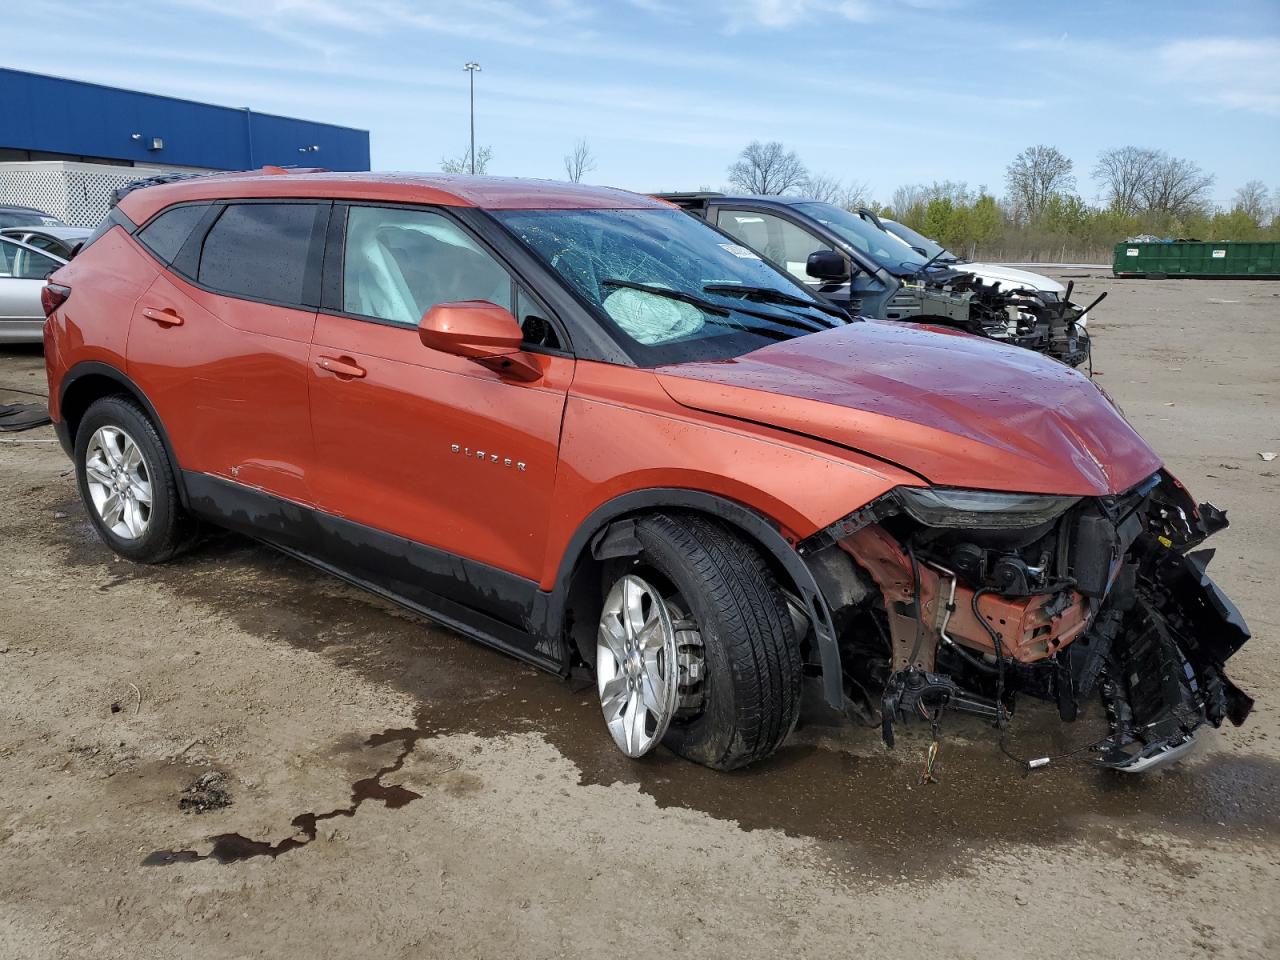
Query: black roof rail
[[688, 200], [122, 192]]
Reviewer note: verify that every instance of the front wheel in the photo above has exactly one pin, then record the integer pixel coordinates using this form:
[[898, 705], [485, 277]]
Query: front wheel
[[696, 647]]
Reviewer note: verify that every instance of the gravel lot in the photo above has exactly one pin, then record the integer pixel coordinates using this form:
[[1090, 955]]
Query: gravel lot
[[399, 791]]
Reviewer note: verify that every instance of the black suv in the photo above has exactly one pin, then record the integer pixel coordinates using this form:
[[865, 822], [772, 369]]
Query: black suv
[[869, 272]]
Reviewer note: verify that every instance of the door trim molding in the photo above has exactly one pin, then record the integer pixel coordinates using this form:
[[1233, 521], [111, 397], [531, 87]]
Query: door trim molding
[[473, 598]]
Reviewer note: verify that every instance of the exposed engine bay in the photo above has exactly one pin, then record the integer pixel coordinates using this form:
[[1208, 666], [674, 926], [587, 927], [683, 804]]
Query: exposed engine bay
[[964, 600], [1037, 320]]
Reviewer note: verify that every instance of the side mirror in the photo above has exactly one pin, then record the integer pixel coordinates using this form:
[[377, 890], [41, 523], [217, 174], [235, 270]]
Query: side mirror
[[827, 265], [481, 331]]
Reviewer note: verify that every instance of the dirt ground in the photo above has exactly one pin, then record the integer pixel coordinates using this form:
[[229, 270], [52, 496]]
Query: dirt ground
[[398, 791]]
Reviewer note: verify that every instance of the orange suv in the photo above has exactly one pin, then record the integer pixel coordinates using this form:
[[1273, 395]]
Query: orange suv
[[581, 426]]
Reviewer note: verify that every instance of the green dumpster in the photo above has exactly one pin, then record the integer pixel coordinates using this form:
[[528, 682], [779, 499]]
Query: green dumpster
[[1196, 258]]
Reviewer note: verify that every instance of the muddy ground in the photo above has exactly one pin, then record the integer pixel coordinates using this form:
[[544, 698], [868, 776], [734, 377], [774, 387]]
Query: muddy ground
[[398, 791]]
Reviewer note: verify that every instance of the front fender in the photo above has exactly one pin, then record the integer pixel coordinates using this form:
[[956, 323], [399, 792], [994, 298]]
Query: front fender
[[621, 458], [608, 451]]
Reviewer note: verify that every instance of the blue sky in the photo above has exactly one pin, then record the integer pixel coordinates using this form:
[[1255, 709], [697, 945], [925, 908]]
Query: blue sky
[[668, 91]]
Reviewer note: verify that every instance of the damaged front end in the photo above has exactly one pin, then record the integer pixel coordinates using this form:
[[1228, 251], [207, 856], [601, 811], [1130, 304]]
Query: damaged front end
[[1038, 320], [946, 599]]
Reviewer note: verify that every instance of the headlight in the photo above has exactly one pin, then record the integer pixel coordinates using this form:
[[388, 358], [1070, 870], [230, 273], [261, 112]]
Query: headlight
[[983, 509]]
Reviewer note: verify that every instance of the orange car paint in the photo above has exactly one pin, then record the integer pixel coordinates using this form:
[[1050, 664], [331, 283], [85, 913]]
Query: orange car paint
[[362, 421], [213, 378], [433, 447], [935, 401]]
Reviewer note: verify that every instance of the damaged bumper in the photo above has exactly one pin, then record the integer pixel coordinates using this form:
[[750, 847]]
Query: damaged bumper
[[1092, 598], [1036, 320]]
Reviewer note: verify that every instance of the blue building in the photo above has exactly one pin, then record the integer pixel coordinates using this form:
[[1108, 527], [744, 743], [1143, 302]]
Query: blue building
[[54, 119]]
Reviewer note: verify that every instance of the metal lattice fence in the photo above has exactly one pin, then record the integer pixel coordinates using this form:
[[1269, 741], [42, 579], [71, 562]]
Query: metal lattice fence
[[77, 193]]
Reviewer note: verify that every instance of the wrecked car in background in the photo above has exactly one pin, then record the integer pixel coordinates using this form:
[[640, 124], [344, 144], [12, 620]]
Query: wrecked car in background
[[583, 427], [858, 265], [1009, 277]]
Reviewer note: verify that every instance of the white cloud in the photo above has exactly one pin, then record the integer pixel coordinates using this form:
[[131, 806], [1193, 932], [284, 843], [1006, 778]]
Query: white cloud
[[1233, 72], [780, 14], [774, 14]]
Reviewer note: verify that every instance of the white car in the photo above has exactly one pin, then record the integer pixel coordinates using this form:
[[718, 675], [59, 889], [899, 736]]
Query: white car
[[1008, 277], [23, 270]]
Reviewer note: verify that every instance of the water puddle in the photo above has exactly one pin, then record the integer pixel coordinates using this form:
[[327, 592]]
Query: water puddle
[[833, 783], [234, 847]]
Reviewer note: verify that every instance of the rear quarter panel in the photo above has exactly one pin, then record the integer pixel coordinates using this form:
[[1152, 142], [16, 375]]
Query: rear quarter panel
[[106, 281]]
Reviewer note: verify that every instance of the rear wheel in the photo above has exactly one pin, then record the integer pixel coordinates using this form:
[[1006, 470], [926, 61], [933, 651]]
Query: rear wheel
[[127, 483], [696, 647]]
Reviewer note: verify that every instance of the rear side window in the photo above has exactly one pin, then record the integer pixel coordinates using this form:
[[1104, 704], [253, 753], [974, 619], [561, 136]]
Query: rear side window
[[260, 251], [165, 235], [114, 218], [20, 263]]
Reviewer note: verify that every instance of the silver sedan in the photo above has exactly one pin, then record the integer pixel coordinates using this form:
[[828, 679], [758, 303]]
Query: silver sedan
[[23, 270], [60, 241]]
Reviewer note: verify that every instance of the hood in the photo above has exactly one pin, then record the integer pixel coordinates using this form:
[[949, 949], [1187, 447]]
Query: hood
[[957, 410], [1010, 278]]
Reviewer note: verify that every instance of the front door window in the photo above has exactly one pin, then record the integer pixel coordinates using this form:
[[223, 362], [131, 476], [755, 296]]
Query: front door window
[[401, 263], [774, 238]]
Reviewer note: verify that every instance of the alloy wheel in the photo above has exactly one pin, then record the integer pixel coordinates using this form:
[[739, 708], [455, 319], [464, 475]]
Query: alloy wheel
[[119, 482], [637, 672]]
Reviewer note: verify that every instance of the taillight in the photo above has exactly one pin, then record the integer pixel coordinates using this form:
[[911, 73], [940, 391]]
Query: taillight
[[53, 296]]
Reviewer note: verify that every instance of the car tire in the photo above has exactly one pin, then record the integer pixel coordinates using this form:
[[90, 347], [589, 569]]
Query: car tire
[[722, 588], [154, 532]]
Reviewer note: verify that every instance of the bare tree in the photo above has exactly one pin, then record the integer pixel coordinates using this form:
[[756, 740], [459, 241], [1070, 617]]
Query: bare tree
[[914, 195], [579, 163], [1254, 200], [823, 188], [768, 168], [906, 197], [462, 164], [1124, 173], [957, 191], [827, 189], [854, 196], [1176, 186], [1035, 175]]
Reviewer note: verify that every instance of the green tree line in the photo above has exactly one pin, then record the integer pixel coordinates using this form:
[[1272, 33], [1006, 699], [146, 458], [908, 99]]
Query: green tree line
[[1042, 216]]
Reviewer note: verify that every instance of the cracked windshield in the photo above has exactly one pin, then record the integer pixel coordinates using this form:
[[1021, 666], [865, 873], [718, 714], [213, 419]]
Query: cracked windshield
[[677, 289]]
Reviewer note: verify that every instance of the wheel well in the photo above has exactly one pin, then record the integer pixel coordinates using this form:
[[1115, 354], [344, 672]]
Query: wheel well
[[99, 381], [82, 393], [585, 593]]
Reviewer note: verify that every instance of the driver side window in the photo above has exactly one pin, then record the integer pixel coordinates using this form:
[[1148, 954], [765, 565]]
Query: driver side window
[[398, 264], [774, 238]]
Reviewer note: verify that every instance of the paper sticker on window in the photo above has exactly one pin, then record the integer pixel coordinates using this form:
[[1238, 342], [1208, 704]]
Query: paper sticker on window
[[1219, 254], [1131, 252], [738, 250]]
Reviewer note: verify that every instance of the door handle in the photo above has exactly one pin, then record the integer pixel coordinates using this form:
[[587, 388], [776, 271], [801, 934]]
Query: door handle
[[341, 367], [166, 317]]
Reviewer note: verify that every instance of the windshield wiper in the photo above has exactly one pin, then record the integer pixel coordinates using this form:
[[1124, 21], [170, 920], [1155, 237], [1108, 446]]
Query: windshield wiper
[[670, 294], [773, 295], [927, 264]]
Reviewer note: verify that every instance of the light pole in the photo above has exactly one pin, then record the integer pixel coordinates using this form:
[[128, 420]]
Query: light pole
[[471, 69]]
